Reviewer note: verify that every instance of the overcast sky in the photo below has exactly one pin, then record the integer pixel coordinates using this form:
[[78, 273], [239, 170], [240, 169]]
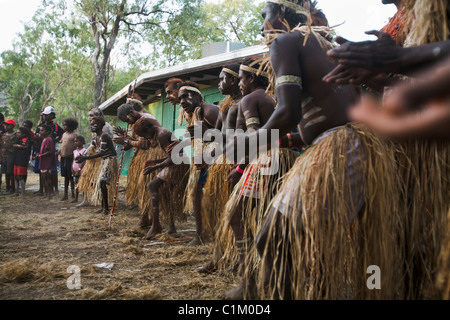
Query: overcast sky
[[358, 15]]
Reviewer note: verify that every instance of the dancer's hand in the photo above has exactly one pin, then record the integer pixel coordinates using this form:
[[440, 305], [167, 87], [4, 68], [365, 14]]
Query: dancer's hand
[[150, 163], [119, 131], [149, 170], [172, 145], [79, 159]]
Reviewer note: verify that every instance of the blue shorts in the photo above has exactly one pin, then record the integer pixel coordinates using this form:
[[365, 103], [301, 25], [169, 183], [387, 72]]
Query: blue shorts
[[203, 176]]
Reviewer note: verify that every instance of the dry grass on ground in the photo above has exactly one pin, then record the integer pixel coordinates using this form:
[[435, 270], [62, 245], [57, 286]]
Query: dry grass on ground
[[40, 240]]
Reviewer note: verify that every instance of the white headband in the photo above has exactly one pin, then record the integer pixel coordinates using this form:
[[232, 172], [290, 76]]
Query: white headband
[[189, 88]]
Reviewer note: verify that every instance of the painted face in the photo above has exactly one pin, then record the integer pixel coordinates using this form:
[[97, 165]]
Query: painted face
[[225, 83], [9, 127], [20, 135], [272, 19], [244, 83], [188, 100], [172, 94]]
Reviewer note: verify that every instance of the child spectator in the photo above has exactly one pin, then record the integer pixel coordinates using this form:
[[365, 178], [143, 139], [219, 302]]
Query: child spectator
[[21, 158], [47, 160], [66, 152], [29, 125], [47, 116], [8, 140], [77, 167], [2, 131]]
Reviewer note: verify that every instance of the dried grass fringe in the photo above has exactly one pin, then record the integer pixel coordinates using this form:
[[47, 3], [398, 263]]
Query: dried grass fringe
[[171, 195], [443, 279], [225, 252], [330, 254], [89, 175], [216, 194], [144, 199], [96, 195], [425, 169], [429, 21], [197, 146]]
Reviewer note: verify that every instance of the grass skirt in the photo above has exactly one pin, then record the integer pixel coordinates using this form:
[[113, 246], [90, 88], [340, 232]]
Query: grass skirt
[[425, 169], [89, 176], [136, 191], [443, 279], [108, 167], [172, 193], [328, 224], [253, 209], [216, 194]]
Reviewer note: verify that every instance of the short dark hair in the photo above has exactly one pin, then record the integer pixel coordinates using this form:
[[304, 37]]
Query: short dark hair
[[124, 110], [2, 117], [260, 80], [142, 124], [25, 131], [97, 111], [71, 122], [233, 67], [81, 139], [174, 82], [28, 123], [47, 128]]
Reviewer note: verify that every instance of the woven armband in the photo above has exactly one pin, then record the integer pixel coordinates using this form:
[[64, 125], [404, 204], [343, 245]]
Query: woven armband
[[288, 79], [253, 120]]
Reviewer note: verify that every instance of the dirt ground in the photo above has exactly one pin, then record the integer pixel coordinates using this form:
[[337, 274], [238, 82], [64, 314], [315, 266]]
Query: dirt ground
[[44, 243]]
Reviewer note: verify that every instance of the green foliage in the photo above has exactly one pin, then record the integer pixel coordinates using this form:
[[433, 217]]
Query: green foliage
[[52, 60], [199, 23]]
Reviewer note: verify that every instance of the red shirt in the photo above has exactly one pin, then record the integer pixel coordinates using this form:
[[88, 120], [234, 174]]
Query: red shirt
[[48, 162]]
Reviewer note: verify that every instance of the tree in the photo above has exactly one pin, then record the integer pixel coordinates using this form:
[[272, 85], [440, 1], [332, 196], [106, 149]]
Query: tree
[[183, 37], [110, 19]]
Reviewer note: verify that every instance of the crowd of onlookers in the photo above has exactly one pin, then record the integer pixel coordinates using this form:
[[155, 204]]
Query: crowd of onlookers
[[50, 147]]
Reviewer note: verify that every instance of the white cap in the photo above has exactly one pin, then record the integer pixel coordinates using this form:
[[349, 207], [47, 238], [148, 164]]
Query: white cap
[[48, 110]]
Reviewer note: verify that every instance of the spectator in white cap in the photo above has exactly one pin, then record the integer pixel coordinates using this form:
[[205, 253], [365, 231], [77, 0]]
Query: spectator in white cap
[[47, 117]]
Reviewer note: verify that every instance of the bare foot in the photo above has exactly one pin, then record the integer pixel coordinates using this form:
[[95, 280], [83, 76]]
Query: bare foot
[[154, 230], [197, 241], [207, 268], [82, 204], [64, 198], [105, 212], [74, 201], [99, 210], [145, 222], [47, 198]]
